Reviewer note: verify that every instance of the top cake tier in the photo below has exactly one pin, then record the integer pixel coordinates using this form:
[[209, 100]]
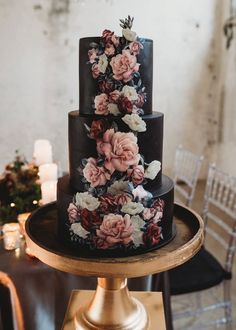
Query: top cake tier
[[115, 76]]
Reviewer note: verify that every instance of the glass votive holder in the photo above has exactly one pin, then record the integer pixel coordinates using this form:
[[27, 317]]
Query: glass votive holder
[[11, 236]]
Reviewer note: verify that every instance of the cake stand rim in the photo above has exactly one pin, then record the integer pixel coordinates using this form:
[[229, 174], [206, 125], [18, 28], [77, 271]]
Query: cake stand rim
[[155, 261]]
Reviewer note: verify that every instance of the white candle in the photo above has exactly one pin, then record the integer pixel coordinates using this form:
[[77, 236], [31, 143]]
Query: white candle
[[42, 152], [49, 191], [48, 172]]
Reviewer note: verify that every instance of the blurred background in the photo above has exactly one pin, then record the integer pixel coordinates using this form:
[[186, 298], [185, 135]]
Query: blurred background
[[194, 72]]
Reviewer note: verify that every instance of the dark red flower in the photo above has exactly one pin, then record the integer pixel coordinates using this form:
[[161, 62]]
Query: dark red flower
[[125, 105], [107, 35], [98, 128], [108, 203], [105, 86], [90, 219], [152, 235], [158, 204]]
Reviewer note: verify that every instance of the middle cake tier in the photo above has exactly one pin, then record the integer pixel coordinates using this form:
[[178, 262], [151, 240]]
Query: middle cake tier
[[86, 140]]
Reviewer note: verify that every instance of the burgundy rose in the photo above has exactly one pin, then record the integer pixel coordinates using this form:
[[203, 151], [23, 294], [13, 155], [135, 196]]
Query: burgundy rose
[[152, 235], [98, 128], [108, 203], [96, 175], [159, 204], [122, 199], [107, 35], [90, 219], [72, 213], [135, 47], [105, 86], [120, 150], [136, 174], [115, 229], [125, 105]]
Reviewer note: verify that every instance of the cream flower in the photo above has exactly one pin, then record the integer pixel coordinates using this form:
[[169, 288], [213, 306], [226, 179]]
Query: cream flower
[[140, 192], [132, 208], [113, 109], [79, 230], [102, 63], [86, 201], [152, 170], [118, 187], [129, 35], [135, 122], [137, 235], [130, 93]]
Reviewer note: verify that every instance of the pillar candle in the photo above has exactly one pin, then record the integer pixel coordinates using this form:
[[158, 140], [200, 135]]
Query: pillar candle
[[49, 191], [42, 152], [48, 172]]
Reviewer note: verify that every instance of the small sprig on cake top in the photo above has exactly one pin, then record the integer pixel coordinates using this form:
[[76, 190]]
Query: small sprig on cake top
[[114, 65]]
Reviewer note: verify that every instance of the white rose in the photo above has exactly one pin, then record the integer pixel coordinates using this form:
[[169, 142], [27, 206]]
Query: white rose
[[86, 201], [152, 170], [79, 230], [113, 109], [129, 35], [139, 192], [132, 208], [118, 187], [135, 122], [102, 63], [130, 92], [137, 235]]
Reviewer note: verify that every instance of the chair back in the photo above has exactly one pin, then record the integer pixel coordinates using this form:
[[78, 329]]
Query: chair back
[[219, 212], [186, 172]]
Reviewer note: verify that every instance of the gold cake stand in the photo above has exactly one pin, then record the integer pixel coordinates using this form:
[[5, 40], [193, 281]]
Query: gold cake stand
[[112, 306]]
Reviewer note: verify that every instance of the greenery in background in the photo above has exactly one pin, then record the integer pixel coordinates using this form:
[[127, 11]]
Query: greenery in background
[[19, 189]]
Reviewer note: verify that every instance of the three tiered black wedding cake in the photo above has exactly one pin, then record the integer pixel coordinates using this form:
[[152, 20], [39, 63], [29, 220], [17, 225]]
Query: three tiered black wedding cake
[[115, 200]]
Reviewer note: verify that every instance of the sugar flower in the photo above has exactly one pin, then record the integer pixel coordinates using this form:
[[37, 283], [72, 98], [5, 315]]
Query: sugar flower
[[135, 122], [153, 169], [132, 208], [87, 201]]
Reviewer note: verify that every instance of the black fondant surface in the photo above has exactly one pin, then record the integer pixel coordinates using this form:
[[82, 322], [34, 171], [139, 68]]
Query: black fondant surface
[[80, 146], [65, 195], [88, 88]]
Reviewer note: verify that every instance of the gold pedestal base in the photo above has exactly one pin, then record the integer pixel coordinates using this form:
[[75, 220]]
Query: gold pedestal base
[[113, 307]]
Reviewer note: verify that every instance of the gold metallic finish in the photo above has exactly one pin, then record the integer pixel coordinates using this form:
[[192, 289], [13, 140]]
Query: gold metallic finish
[[152, 301]]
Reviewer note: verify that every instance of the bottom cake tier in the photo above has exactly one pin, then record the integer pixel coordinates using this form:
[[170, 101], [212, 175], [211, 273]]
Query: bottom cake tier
[[116, 224]]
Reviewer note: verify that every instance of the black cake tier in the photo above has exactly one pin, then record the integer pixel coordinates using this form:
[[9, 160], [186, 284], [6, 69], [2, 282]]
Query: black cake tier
[[88, 86], [153, 240], [81, 146]]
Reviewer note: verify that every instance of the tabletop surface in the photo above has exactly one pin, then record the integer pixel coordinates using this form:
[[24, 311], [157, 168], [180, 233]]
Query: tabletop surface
[[41, 238]]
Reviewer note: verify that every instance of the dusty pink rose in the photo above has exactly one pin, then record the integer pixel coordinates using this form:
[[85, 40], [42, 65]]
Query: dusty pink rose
[[92, 54], [115, 40], [135, 47], [109, 49], [101, 103], [122, 199], [96, 175], [72, 212], [140, 100], [108, 203], [107, 35], [115, 229], [95, 71], [120, 150], [124, 66], [148, 213], [114, 96], [136, 174]]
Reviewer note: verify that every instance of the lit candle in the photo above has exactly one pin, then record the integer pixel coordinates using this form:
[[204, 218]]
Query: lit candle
[[11, 236], [49, 191], [42, 152], [48, 172]]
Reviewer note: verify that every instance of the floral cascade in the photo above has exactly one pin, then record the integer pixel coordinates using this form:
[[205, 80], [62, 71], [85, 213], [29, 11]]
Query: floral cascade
[[115, 211]]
